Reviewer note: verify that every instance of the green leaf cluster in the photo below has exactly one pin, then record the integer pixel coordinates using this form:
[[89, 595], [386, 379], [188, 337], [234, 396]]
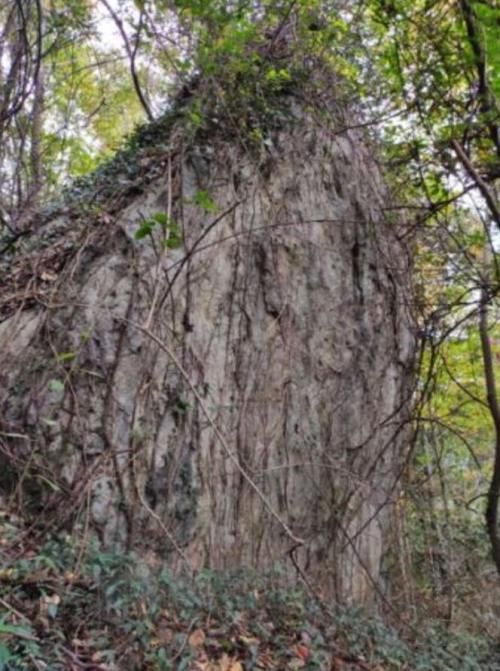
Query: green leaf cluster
[[171, 231]]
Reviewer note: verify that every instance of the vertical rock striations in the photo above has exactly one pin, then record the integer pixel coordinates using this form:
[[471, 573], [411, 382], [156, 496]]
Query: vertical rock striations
[[188, 396]]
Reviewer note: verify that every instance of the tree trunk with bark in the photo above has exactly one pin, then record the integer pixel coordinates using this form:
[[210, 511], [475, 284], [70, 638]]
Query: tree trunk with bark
[[232, 389]]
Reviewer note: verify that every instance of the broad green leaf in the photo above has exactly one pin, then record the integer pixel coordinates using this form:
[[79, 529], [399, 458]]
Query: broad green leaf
[[144, 230]]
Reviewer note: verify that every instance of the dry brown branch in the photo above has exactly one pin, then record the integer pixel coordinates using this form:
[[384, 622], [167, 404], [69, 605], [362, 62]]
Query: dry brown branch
[[484, 189]]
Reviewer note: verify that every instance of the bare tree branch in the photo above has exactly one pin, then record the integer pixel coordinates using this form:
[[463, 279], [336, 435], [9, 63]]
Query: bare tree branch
[[484, 189], [132, 54]]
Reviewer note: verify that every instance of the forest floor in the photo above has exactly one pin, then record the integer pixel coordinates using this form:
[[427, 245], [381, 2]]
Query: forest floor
[[68, 607]]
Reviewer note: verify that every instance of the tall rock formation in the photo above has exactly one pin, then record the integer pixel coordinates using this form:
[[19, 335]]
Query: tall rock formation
[[231, 386]]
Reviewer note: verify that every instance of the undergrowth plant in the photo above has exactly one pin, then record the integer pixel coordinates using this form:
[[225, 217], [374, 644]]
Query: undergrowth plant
[[65, 605]]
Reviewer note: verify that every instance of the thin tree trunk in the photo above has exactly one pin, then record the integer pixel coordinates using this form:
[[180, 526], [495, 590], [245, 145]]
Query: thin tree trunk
[[492, 399]]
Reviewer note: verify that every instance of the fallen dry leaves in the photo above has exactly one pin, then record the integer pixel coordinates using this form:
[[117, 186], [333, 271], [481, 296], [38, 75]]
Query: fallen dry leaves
[[196, 639], [225, 663]]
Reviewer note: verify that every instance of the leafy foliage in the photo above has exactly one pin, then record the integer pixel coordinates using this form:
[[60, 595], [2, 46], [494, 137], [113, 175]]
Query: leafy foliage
[[172, 235], [73, 605]]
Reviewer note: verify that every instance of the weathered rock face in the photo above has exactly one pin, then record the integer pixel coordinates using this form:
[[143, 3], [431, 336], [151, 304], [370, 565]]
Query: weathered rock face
[[217, 400]]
